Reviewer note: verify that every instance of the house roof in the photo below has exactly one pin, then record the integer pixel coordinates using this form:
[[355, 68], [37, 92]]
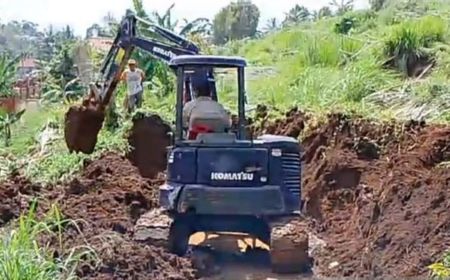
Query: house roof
[[28, 63], [101, 43]]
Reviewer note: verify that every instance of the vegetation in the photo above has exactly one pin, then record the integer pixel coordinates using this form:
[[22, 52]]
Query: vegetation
[[236, 21], [7, 75], [22, 256]]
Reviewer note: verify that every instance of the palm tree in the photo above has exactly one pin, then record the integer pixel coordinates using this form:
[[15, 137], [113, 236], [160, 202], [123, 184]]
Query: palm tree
[[343, 6], [7, 74], [6, 122], [271, 25], [296, 15], [201, 26]]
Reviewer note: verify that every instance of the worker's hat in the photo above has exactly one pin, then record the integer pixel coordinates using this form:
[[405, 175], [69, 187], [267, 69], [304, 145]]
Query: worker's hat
[[131, 62]]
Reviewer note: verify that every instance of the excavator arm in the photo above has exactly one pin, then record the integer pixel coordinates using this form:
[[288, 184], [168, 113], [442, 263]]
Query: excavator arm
[[126, 41]]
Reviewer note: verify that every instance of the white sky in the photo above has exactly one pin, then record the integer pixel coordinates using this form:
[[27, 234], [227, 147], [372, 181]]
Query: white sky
[[80, 14]]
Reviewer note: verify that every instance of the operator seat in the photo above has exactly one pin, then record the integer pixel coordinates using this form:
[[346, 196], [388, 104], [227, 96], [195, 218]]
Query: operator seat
[[212, 122]]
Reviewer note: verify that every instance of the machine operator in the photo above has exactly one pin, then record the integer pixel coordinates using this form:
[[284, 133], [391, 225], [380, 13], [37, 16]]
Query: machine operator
[[203, 108]]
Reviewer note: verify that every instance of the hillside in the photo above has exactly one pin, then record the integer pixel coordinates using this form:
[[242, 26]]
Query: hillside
[[392, 63]]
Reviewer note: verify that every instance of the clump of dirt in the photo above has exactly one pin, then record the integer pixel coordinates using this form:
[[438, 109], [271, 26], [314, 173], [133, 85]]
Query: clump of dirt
[[15, 196], [82, 125], [149, 139], [378, 195], [291, 125], [106, 200]]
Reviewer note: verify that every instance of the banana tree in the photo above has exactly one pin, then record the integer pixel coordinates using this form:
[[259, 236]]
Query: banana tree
[[7, 120], [7, 75]]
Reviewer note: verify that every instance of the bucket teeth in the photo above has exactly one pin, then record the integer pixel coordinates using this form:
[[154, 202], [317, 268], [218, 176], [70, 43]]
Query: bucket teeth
[[289, 246]]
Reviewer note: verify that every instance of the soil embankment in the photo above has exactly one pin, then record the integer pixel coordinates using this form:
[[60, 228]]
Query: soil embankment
[[378, 194]]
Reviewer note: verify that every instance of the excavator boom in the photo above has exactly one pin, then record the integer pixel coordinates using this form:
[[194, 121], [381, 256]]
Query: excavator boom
[[83, 123]]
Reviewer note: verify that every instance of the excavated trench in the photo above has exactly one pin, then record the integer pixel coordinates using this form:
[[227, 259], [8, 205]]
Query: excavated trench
[[377, 194]]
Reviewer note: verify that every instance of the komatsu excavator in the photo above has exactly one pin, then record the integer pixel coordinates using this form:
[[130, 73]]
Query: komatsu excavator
[[219, 181]]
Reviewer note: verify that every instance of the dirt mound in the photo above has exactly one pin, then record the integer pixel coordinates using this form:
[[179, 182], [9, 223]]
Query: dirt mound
[[149, 139], [15, 196], [82, 125], [106, 200], [379, 196], [292, 124]]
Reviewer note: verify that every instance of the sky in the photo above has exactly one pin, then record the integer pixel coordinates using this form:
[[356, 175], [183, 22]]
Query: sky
[[80, 14]]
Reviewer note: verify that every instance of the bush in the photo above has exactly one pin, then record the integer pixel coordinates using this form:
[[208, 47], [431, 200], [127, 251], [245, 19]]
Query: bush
[[409, 43]]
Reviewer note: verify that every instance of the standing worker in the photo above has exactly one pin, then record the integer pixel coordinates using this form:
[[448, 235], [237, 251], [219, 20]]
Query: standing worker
[[134, 78]]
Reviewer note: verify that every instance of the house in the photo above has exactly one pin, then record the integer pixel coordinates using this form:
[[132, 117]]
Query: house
[[25, 67], [100, 43]]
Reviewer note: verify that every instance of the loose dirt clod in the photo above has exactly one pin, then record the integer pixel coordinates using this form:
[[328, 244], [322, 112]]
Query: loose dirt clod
[[82, 125], [149, 139]]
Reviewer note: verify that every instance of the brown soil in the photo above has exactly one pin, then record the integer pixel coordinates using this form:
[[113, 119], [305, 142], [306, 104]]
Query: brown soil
[[105, 201], [378, 196], [149, 139], [15, 196], [82, 125], [109, 197]]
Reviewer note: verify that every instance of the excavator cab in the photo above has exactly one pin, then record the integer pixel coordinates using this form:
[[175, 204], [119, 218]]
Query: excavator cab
[[188, 67]]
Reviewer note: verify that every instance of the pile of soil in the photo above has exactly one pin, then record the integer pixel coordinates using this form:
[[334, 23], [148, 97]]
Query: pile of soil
[[149, 139], [378, 196], [105, 201], [109, 197], [82, 125], [16, 194], [292, 124]]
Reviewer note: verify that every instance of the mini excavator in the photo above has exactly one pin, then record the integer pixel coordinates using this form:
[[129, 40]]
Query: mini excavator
[[220, 181]]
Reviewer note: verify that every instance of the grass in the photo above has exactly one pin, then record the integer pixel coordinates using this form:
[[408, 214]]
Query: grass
[[319, 70], [22, 257]]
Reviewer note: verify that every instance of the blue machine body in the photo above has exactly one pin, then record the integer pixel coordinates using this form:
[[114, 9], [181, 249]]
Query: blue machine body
[[226, 176]]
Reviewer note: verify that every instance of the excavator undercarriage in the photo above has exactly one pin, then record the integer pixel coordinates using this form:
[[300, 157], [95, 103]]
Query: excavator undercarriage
[[286, 238]]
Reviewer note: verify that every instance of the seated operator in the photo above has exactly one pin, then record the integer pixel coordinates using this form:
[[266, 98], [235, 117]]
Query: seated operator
[[203, 109]]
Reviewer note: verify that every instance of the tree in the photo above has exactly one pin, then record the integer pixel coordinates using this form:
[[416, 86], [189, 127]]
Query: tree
[[324, 12], [7, 120], [296, 15], [343, 6], [7, 74], [271, 25], [201, 26], [236, 21], [377, 5]]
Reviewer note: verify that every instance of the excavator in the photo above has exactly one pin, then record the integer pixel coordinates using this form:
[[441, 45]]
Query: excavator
[[220, 181]]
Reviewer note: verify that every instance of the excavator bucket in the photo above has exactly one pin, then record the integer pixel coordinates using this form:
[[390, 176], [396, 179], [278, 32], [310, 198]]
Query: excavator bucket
[[82, 125]]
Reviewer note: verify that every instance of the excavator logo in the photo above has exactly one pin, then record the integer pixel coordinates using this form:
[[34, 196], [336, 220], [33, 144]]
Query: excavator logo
[[240, 176], [164, 52]]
